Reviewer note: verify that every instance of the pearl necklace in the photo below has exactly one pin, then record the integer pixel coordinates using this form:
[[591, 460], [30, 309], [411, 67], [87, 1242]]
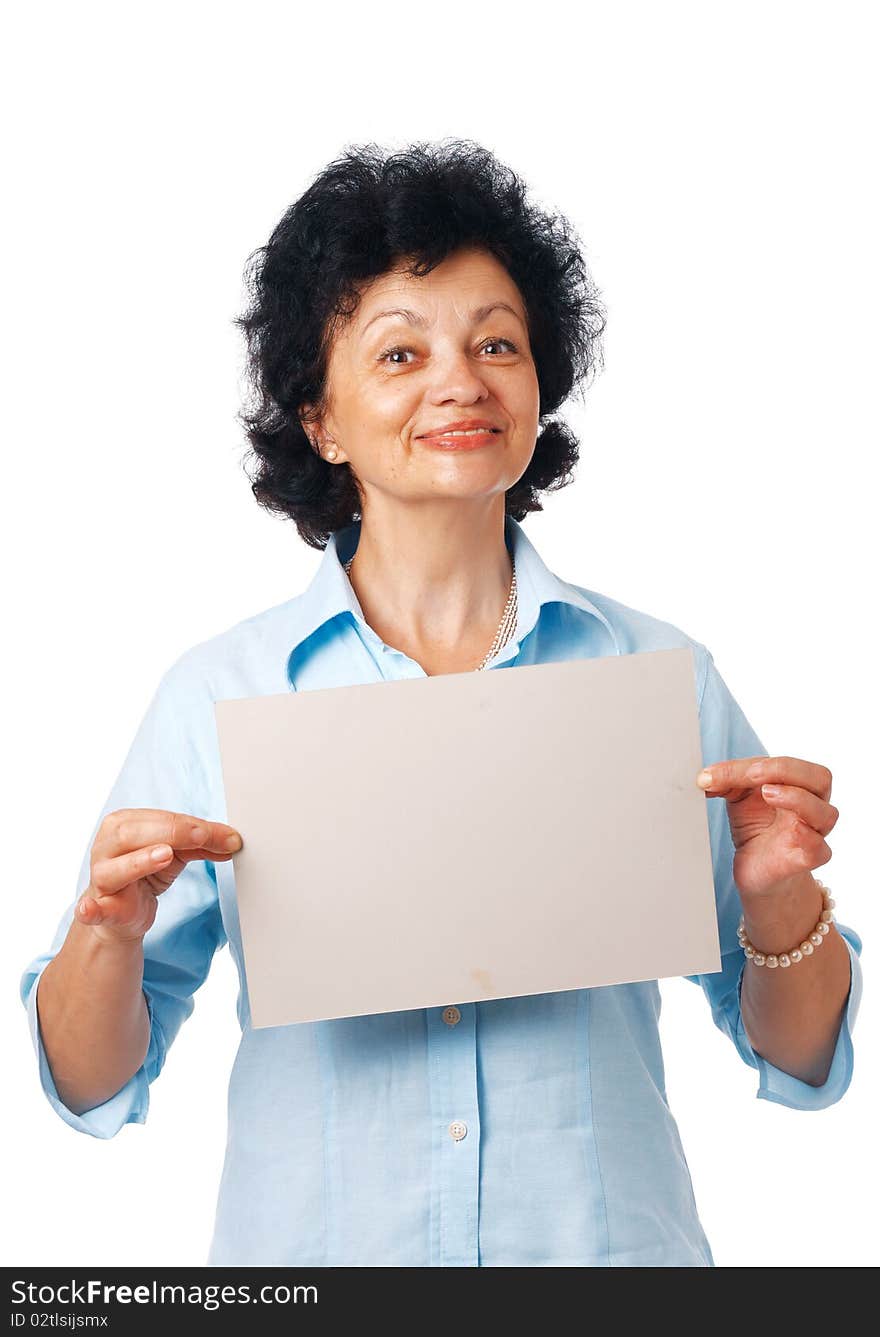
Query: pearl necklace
[[506, 626]]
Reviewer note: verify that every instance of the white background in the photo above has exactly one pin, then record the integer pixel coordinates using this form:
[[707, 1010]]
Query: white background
[[719, 164]]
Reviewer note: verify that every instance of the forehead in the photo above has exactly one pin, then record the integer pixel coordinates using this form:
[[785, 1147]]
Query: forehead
[[461, 281]]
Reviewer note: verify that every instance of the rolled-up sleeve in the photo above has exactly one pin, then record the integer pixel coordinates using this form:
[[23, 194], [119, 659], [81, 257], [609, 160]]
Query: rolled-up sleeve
[[727, 734], [163, 769]]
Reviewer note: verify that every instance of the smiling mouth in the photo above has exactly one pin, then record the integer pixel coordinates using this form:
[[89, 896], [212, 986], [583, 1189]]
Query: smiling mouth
[[464, 431], [462, 439]]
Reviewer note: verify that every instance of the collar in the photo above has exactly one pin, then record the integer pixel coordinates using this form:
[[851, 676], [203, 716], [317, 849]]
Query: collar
[[331, 593]]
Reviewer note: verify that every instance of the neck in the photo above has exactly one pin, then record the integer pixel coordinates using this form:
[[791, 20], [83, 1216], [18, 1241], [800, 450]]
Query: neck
[[434, 588]]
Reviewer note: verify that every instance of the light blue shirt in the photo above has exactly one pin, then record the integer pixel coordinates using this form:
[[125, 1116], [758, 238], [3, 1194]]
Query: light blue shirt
[[340, 1149]]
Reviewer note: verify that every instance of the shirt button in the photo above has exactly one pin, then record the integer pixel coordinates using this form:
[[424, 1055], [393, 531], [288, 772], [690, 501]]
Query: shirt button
[[451, 1016], [458, 1130]]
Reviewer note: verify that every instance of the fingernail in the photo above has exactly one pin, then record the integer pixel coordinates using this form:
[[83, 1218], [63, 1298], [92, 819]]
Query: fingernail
[[773, 790], [84, 908], [233, 842], [704, 779]]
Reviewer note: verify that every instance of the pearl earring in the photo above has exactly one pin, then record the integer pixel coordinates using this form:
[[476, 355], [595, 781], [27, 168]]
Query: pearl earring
[[331, 453]]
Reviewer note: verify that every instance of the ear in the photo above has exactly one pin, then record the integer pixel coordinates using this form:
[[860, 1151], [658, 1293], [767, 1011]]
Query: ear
[[321, 440], [310, 425]]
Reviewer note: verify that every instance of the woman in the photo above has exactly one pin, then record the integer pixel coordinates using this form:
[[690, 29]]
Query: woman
[[415, 323]]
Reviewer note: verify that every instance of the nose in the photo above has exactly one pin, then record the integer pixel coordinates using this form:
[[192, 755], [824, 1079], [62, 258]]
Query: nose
[[457, 381]]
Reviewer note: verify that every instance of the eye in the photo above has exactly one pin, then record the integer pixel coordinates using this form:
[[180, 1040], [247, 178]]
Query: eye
[[390, 354]]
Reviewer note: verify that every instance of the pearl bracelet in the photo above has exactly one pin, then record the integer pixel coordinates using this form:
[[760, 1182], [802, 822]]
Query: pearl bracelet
[[806, 948]]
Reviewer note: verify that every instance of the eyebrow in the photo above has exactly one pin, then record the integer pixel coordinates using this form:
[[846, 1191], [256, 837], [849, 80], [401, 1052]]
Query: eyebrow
[[413, 318]]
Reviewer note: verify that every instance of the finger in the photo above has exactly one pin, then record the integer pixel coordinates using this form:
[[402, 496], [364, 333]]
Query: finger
[[808, 849], [128, 914], [748, 772], [124, 908], [726, 779], [111, 875], [815, 812], [109, 911], [807, 775], [133, 828]]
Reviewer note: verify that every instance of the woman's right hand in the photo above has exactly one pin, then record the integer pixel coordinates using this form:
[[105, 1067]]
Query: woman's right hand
[[136, 855]]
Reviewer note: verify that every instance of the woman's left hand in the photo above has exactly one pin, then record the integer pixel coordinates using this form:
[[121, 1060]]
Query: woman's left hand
[[776, 835]]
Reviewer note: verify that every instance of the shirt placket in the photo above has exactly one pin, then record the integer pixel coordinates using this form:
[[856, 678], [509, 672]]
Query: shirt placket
[[452, 1065], [455, 1135]]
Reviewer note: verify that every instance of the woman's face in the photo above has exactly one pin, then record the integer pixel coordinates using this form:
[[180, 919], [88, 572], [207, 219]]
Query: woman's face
[[462, 353]]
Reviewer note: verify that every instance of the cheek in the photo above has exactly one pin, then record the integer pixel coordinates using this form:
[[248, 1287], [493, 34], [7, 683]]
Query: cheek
[[400, 403], [522, 401], [371, 415], [388, 405]]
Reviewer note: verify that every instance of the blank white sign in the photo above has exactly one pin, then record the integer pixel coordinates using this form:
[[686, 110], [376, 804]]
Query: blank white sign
[[469, 836]]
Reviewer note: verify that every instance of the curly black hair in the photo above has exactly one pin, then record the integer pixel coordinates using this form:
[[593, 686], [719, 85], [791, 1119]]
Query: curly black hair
[[365, 213]]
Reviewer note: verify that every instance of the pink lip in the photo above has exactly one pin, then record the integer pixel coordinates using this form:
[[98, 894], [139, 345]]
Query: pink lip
[[463, 425], [475, 442]]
